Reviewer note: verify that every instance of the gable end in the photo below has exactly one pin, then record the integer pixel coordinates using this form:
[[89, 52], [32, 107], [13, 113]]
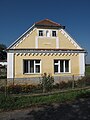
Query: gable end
[[70, 39]]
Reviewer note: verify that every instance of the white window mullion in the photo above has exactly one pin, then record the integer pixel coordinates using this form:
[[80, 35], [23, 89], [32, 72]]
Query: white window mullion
[[64, 66], [34, 67], [40, 66], [59, 66], [28, 66], [69, 66]]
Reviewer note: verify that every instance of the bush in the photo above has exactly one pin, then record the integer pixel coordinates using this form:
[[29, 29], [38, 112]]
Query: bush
[[14, 89], [47, 82], [63, 85], [17, 89], [85, 81]]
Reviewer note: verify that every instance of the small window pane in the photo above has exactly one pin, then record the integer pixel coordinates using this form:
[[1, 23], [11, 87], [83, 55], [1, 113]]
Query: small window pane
[[37, 68], [55, 61], [55, 68], [25, 66], [40, 32], [31, 66], [37, 61], [61, 65], [54, 33], [66, 65]]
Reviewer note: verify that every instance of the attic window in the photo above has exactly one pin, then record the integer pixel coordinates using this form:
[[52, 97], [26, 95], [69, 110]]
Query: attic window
[[47, 33], [40, 32], [53, 33]]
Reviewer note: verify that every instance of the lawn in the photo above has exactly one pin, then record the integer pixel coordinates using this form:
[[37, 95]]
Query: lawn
[[87, 70], [18, 102]]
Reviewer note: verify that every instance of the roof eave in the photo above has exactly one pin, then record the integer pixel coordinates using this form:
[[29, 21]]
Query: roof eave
[[49, 26]]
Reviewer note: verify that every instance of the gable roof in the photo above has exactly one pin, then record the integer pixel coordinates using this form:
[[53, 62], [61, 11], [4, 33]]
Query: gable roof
[[48, 23], [43, 23]]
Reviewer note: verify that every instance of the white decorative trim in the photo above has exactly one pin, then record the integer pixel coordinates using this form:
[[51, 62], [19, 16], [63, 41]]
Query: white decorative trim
[[40, 54], [19, 39], [69, 66], [70, 38], [82, 64], [36, 42], [57, 42], [22, 39], [10, 65], [48, 53]]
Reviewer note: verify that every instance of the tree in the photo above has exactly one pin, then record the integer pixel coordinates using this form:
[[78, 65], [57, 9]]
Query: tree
[[3, 54]]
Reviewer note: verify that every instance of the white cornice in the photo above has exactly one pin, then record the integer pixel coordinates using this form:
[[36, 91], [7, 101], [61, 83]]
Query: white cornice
[[46, 51]]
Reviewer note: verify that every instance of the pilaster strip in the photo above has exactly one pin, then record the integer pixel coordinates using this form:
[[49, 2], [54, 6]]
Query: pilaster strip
[[36, 42]]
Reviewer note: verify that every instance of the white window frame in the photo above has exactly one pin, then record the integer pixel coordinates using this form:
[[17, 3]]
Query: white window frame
[[63, 66], [39, 33], [35, 64], [52, 33]]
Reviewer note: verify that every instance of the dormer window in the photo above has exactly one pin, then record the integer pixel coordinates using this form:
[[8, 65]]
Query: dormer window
[[53, 33], [40, 32]]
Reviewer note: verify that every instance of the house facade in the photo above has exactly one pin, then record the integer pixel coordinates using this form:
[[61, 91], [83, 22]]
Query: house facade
[[45, 48]]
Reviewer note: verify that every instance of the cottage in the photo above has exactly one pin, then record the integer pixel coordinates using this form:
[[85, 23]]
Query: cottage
[[45, 48]]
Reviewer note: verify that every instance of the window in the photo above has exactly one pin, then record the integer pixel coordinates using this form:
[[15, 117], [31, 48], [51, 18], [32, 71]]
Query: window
[[61, 66], [40, 32], [32, 66], [48, 33], [53, 33]]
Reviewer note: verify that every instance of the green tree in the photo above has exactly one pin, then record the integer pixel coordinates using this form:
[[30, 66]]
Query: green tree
[[3, 54]]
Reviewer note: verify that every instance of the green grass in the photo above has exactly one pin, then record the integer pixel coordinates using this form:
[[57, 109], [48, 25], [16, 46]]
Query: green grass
[[87, 70], [12, 102]]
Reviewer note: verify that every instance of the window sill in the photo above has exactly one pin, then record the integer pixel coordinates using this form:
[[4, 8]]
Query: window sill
[[63, 73], [31, 73], [47, 37]]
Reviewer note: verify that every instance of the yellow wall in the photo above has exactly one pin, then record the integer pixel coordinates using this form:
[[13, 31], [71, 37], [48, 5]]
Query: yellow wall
[[47, 61], [64, 42], [46, 65], [45, 42], [28, 42]]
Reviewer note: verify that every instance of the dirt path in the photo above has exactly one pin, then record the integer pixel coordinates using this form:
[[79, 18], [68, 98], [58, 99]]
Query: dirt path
[[78, 110]]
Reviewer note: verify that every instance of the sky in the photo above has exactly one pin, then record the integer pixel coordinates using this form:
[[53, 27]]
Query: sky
[[16, 16]]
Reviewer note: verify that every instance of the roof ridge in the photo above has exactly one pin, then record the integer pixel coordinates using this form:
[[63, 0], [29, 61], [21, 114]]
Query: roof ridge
[[52, 21], [48, 20]]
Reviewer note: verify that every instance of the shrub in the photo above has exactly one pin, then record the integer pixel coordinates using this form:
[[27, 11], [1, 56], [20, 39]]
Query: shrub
[[65, 85], [16, 89], [2, 89], [47, 82], [85, 81]]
